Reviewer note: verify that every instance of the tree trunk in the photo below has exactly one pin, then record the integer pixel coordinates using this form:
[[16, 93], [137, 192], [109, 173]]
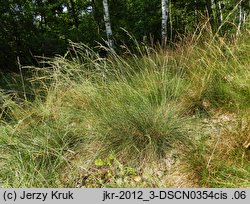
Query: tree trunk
[[245, 11], [72, 6], [218, 12], [240, 17], [210, 13], [244, 17], [107, 24], [95, 16], [164, 5], [196, 12]]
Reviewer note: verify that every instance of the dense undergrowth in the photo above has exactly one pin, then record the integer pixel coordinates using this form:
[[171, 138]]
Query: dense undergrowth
[[159, 118]]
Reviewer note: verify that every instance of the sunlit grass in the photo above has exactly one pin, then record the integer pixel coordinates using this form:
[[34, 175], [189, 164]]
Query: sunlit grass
[[139, 108]]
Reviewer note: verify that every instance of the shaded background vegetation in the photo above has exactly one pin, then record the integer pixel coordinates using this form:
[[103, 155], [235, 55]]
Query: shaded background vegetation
[[31, 28]]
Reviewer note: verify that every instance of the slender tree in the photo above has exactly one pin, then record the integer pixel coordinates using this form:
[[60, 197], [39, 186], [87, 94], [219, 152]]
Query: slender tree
[[164, 5], [95, 15], [219, 13], [107, 24], [210, 13], [246, 4], [243, 11], [196, 12], [240, 16], [245, 7]]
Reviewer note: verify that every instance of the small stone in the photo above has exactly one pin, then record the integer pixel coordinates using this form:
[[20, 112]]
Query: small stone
[[160, 174], [137, 179], [119, 181]]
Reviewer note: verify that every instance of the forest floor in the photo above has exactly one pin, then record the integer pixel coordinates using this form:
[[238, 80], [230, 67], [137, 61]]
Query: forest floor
[[159, 118]]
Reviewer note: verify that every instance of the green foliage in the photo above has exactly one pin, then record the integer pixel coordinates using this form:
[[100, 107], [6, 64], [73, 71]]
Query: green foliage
[[43, 28]]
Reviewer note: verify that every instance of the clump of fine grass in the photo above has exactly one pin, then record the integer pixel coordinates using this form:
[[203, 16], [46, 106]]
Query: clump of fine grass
[[136, 107], [131, 124], [34, 150], [219, 76]]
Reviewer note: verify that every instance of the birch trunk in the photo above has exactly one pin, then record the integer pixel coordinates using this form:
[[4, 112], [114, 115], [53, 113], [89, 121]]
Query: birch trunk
[[245, 11], [107, 24], [219, 12], [164, 5], [244, 17], [240, 17]]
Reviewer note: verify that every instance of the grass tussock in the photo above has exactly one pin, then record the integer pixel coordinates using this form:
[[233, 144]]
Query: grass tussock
[[87, 121]]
